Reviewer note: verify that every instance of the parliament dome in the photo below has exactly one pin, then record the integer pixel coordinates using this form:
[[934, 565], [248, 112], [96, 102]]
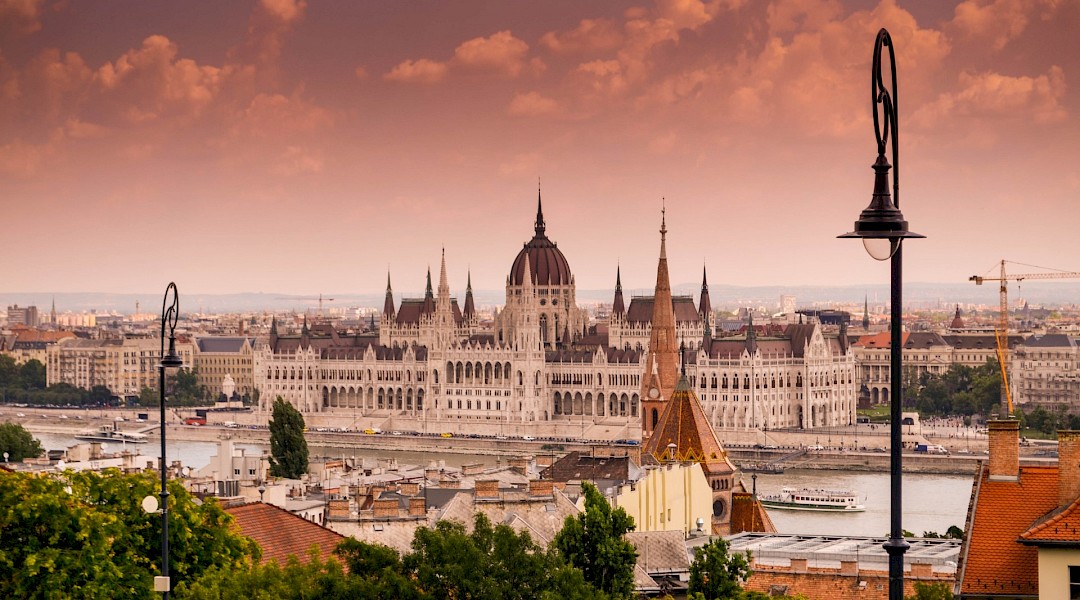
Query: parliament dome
[[546, 262]]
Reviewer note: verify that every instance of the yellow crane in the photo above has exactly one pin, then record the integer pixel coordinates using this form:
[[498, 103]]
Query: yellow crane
[[1001, 332], [310, 298]]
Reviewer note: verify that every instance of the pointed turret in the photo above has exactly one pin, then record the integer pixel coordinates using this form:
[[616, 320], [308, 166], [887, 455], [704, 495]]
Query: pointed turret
[[428, 293], [52, 313], [751, 336], [958, 321], [305, 334], [428, 306], [661, 367], [866, 313], [273, 333], [388, 303], [683, 434], [444, 284], [617, 306], [539, 227], [705, 306], [844, 342], [470, 308]]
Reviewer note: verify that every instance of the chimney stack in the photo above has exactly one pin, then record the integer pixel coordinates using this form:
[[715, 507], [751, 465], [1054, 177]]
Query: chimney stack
[[1004, 449], [1068, 467]]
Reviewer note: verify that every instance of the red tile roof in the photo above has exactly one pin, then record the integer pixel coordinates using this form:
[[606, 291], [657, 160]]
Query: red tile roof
[[993, 563], [280, 533], [684, 424], [1059, 528]]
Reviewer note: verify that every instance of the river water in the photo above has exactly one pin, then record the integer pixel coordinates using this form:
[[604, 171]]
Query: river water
[[930, 502]]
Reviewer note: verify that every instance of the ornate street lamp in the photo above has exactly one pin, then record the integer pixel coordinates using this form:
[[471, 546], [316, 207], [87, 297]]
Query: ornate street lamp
[[169, 314], [882, 228]]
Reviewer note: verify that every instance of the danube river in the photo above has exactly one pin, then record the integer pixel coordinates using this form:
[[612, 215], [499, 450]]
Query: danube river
[[931, 502]]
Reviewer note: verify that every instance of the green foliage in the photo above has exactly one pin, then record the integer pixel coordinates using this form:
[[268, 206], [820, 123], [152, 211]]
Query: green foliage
[[296, 580], [962, 390], [931, 591], [288, 448], [32, 375], [88, 537], [18, 443], [952, 533], [593, 542], [716, 574]]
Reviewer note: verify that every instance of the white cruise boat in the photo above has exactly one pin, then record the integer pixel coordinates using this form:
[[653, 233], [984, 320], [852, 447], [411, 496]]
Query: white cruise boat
[[817, 500]]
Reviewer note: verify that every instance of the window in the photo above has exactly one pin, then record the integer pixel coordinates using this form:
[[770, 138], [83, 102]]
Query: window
[[1074, 582]]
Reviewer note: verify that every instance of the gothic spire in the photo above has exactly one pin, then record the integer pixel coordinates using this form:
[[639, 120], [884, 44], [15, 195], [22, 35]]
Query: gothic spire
[[866, 313], [751, 335], [470, 308], [388, 303], [661, 368], [427, 292], [540, 228], [705, 307], [617, 306], [444, 284]]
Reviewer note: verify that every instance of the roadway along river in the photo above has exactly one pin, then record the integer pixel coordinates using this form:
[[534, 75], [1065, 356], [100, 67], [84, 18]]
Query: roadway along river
[[931, 502]]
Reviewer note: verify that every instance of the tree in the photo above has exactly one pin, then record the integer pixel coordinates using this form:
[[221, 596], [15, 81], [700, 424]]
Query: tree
[[84, 535], [32, 374], [716, 574], [593, 542], [17, 442], [931, 591], [288, 448]]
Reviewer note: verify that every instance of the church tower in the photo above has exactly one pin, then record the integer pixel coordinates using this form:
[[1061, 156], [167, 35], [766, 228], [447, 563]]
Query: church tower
[[661, 365]]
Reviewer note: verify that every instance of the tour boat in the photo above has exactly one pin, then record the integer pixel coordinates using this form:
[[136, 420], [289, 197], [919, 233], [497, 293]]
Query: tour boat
[[110, 433], [808, 499]]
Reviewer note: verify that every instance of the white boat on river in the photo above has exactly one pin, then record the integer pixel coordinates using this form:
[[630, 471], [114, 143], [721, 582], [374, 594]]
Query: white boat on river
[[815, 500]]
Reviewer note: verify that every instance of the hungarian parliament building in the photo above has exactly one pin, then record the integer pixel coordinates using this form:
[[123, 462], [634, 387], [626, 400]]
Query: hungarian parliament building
[[541, 364]]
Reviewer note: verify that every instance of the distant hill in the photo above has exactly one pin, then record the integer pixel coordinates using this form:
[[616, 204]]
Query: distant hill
[[723, 297]]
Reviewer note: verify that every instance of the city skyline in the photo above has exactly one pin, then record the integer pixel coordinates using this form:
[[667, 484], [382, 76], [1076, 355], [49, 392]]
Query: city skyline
[[288, 147]]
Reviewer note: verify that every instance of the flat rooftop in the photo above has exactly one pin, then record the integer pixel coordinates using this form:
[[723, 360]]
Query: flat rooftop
[[827, 551]]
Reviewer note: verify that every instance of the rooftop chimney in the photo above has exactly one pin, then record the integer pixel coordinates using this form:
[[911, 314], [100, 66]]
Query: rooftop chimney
[[1068, 467], [1004, 450]]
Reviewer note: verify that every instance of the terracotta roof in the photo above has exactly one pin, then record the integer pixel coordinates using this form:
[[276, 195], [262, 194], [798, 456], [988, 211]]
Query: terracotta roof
[[1059, 528], [641, 309], [881, 340], [748, 514], [576, 466], [280, 533], [684, 424], [993, 562]]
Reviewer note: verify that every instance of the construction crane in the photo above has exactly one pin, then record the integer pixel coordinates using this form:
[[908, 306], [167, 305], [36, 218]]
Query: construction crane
[[1001, 332], [309, 298]]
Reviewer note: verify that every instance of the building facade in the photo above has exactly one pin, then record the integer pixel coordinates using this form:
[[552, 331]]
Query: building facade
[[217, 358], [541, 364], [1045, 371], [125, 366]]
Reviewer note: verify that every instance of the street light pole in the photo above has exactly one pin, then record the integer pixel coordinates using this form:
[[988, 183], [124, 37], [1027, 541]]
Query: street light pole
[[882, 228], [170, 311]]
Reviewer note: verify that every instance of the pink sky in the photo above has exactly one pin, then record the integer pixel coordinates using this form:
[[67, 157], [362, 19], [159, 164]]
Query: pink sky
[[305, 147]]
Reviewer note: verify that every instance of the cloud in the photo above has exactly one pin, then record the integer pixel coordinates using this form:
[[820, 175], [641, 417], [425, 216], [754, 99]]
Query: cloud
[[23, 159], [501, 52], [417, 71], [1000, 98], [270, 114], [520, 165], [531, 104], [999, 21], [590, 36], [285, 11], [361, 72], [150, 82], [687, 14], [20, 16], [785, 16]]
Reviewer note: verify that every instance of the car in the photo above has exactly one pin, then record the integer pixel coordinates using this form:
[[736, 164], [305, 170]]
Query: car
[[528, 438], [815, 448], [500, 437], [369, 431], [395, 433], [446, 435], [20, 414], [63, 416], [119, 419]]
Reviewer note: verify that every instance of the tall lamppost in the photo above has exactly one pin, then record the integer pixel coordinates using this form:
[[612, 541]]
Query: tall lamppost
[[882, 228], [170, 311]]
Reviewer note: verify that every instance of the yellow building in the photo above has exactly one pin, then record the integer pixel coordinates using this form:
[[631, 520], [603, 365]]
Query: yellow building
[[671, 496]]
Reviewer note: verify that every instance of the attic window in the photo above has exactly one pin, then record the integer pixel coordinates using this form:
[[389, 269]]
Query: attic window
[[377, 527]]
